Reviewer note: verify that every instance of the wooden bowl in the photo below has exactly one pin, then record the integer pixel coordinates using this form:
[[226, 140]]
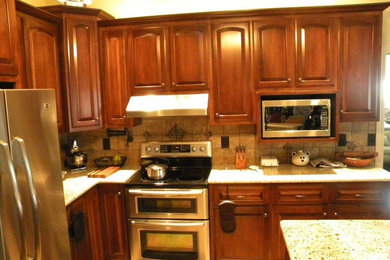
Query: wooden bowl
[[358, 160]]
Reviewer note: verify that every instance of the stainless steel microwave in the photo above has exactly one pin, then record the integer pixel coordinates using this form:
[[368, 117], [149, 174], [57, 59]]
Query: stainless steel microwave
[[296, 118]]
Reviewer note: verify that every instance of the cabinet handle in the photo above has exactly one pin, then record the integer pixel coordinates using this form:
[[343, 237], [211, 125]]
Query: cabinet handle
[[358, 195], [289, 80], [240, 196], [325, 214], [265, 215], [300, 196], [335, 214], [300, 79]]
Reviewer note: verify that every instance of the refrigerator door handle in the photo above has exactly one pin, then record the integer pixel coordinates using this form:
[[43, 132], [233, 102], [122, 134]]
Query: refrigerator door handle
[[20, 160], [7, 168]]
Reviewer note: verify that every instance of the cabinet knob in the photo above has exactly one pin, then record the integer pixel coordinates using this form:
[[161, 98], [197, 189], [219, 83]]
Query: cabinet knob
[[300, 79], [163, 84], [240, 196], [358, 195], [96, 118], [289, 80], [335, 214], [173, 84], [300, 196], [325, 214], [342, 111], [265, 214], [124, 117], [119, 194], [217, 114]]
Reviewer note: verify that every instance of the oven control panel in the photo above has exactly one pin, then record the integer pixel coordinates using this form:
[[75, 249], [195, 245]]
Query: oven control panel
[[176, 149]]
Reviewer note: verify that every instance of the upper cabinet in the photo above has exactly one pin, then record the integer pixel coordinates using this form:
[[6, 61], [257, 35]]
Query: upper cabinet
[[232, 99], [39, 48], [82, 96], [116, 92], [298, 52], [168, 57], [361, 67], [8, 64]]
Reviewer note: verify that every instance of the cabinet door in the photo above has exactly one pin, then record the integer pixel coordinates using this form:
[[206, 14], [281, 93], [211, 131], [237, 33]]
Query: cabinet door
[[316, 51], [114, 221], [115, 87], [83, 88], [361, 66], [147, 60], [279, 213], [231, 88], [8, 38], [273, 54], [92, 213], [248, 240], [40, 47], [189, 46], [359, 211]]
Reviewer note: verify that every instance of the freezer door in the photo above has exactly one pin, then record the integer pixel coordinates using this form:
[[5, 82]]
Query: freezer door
[[32, 118]]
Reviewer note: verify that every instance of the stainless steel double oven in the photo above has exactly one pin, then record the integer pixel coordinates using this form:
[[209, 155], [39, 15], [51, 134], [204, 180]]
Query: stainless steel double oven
[[169, 218]]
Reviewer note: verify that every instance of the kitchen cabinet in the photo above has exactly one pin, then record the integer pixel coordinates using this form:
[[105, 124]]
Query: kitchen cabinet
[[112, 201], [39, 49], [251, 216], [8, 36], [169, 57], [85, 227], [82, 97], [116, 91], [361, 70], [231, 93], [260, 208], [295, 53]]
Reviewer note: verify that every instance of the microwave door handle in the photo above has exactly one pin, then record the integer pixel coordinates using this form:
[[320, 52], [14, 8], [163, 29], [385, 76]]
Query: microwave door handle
[[8, 169], [20, 160]]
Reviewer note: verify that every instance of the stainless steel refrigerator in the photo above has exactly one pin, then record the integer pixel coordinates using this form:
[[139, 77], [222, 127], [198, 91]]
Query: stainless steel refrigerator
[[32, 207]]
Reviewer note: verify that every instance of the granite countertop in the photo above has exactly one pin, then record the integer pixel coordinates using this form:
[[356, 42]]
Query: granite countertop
[[290, 173], [337, 239], [76, 184]]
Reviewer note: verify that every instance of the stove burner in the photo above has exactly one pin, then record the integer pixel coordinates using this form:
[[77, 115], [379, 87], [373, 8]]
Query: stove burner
[[190, 178]]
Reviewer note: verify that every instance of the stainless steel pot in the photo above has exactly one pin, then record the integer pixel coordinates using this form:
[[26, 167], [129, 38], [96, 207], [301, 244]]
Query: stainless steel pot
[[156, 171]]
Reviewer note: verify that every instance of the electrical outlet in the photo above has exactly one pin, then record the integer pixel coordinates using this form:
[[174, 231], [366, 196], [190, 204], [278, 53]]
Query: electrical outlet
[[224, 141], [106, 144], [342, 140], [371, 139]]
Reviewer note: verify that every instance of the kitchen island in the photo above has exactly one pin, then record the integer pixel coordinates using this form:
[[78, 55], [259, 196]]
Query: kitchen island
[[337, 239]]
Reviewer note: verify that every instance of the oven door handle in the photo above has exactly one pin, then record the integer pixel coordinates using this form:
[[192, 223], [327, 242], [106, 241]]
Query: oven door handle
[[165, 192], [168, 224]]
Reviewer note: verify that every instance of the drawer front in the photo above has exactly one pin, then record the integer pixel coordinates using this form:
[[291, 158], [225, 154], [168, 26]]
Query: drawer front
[[358, 192], [290, 194], [242, 194]]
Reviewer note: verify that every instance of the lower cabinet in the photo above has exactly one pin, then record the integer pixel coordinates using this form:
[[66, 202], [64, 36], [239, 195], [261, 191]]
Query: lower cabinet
[[97, 222], [260, 208]]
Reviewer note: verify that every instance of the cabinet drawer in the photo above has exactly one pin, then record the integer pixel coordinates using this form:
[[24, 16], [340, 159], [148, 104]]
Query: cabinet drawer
[[242, 194], [358, 192], [287, 194]]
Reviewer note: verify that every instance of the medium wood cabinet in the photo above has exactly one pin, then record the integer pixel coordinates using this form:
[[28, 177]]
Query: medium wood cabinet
[[8, 36], [39, 45], [361, 67], [116, 91], [231, 94], [249, 239], [295, 53], [261, 207], [169, 57], [85, 227], [112, 203]]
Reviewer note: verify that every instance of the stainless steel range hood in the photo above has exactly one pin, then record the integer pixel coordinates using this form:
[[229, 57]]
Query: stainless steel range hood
[[167, 105]]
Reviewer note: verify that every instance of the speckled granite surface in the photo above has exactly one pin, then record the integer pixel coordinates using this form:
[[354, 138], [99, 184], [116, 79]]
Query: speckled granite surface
[[290, 173], [77, 184], [337, 239]]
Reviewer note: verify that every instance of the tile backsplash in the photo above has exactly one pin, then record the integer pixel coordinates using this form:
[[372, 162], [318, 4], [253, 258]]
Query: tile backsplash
[[198, 128]]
